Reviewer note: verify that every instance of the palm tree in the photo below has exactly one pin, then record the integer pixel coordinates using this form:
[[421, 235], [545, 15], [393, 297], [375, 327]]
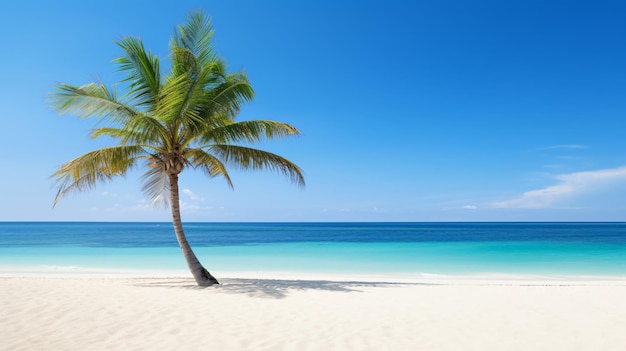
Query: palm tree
[[185, 120]]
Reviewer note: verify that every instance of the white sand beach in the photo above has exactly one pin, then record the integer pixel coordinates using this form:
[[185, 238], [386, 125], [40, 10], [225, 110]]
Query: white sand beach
[[104, 313]]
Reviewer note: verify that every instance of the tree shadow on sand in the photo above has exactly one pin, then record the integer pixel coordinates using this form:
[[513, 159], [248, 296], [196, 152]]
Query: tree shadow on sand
[[272, 288]]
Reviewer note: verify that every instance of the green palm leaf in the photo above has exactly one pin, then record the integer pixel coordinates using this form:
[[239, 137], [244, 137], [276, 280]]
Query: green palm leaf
[[253, 159], [249, 131], [91, 100], [196, 36], [142, 72], [85, 171]]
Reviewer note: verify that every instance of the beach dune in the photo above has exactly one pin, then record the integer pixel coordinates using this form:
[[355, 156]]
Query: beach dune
[[95, 313]]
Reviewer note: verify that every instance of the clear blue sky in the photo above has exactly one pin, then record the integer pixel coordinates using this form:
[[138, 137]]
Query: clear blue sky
[[410, 110]]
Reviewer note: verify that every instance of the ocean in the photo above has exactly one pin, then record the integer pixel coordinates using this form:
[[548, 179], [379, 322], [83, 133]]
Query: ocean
[[348, 249]]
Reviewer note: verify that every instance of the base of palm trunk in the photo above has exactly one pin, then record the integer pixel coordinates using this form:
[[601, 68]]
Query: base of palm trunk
[[204, 278]]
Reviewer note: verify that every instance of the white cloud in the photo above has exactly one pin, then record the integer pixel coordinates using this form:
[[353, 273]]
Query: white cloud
[[142, 205], [192, 207], [470, 207], [568, 146], [192, 195], [569, 186], [185, 206]]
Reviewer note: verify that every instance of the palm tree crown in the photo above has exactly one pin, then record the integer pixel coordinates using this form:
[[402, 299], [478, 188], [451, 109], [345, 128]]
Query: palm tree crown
[[168, 123]]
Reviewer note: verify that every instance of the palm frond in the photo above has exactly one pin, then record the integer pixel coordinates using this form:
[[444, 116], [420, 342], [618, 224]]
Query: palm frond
[[250, 131], [196, 36], [142, 72], [183, 60], [229, 95], [175, 99], [115, 133], [204, 99], [146, 130], [156, 182], [254, 159], [199, 111], [90, 100], [141, 129], [85, 171], [209, 164]]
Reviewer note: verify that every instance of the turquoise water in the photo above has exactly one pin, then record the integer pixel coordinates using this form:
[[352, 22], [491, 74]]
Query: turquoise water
[[345, 248]]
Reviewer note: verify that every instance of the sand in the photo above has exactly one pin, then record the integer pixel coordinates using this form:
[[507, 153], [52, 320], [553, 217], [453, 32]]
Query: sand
[[103, 313]]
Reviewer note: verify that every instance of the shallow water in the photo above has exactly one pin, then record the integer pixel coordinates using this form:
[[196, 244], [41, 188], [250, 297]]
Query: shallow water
[[342, 248]]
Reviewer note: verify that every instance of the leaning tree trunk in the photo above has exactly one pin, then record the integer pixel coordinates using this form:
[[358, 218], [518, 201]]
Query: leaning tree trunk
[[202, 276]]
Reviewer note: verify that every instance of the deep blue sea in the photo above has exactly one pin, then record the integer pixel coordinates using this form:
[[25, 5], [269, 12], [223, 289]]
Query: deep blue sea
[[411, 249]]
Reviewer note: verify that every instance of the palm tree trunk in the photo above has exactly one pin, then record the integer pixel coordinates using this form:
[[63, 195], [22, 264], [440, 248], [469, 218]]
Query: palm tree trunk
[[202, 276]]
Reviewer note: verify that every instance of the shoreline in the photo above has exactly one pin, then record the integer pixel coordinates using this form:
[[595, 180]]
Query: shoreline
[[78, 312], [390, 277]]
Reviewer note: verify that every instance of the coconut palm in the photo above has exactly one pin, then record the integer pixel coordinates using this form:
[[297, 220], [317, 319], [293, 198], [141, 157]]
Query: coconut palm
[[166, 124]]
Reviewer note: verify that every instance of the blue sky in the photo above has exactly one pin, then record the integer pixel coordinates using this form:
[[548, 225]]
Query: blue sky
[[410, 110]]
